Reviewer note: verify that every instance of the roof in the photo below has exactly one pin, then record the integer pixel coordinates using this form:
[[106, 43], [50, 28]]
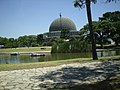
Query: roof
[[62, 23]]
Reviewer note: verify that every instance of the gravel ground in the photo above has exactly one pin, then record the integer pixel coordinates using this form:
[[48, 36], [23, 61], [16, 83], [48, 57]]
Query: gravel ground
[[63, 76]]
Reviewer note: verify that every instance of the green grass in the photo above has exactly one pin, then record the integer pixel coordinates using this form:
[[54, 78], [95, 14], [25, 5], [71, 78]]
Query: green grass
[[26, 49], [8, 67], [4, 67]]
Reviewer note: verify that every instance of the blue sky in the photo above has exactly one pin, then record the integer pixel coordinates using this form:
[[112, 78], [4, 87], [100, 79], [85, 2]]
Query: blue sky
[[32, 17]]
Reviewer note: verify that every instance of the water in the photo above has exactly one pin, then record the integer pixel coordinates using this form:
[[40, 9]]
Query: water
[[8, 59]]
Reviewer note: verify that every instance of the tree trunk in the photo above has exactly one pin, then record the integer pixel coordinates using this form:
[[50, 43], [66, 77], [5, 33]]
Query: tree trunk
[[116, 43], [94, 53], [101, 40]]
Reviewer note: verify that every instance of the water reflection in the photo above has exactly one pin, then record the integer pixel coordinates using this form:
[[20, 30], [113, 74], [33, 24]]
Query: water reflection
[[108, 53], [10, 59], [14, 59]]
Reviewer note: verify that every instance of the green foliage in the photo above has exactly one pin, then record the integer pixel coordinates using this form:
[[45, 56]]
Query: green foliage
[[115, 33], [111, 0], [54, 48], [65, 34], [40, 39], [3, 41], [22, 41], [106, 28], [8, 43], [27, 41], [81, 3], [80, 46], [71, 46], [57, 40], [111, 16], [63, 47], [103, 29], [114, 25]]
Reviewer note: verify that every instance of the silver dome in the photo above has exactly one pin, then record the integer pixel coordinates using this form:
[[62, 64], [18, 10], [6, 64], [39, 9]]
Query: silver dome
[[62, 23]]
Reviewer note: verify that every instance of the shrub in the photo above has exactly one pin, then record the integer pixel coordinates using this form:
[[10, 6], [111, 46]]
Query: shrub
[[74, 46]]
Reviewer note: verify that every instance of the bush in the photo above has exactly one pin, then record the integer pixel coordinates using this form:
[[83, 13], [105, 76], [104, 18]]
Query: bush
[[64, 47], [54, 48], [74, 46]]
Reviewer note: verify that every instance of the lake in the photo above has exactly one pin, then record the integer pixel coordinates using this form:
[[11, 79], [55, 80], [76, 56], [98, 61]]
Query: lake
[[26, 58]]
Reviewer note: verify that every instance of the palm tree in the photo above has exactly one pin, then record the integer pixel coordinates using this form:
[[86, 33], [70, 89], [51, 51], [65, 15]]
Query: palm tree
[[82, 3], [111, 1], [87, 3]]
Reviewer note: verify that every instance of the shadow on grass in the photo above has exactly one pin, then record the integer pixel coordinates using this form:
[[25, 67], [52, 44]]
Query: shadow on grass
[[103, 76]]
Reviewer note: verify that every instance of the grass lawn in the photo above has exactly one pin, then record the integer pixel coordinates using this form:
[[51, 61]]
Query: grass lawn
[[26, 49], [8, 67]]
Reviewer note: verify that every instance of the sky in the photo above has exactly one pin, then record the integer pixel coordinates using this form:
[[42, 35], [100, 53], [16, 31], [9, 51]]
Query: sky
[[33, 17]]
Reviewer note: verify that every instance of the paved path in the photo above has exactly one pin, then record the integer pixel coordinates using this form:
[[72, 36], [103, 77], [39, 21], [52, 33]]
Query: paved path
[[59, 76]]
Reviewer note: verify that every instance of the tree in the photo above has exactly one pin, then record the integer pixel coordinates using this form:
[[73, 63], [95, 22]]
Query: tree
[[65, 33], [32, 40], [114, 19], [3, 41], [115, 33], [103, 30], [71, 46], [87, 3], [27, 41], [111, 0], [85, 33], [40, 39], [23, 41]]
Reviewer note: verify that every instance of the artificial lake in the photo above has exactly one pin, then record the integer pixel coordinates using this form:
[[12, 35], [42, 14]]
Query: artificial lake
[[26, 58]]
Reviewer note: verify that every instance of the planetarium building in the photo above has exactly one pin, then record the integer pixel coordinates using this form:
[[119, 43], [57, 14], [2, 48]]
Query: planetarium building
[[59, 24]]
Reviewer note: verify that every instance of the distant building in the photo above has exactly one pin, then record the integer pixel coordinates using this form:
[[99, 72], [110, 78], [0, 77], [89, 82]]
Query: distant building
[[59, 24], [1, 45]]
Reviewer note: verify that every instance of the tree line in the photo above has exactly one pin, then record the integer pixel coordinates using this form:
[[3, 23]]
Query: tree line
[[22, 41], [106, 29]]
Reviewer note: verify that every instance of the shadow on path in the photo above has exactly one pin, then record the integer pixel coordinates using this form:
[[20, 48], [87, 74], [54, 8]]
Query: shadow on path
[[103, 76]]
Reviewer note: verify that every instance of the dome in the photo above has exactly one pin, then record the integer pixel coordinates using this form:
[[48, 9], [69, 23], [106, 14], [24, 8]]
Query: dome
[[62, 23]]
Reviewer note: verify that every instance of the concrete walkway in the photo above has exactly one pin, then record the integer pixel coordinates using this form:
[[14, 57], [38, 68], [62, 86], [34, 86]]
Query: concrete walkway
[[66, 75]]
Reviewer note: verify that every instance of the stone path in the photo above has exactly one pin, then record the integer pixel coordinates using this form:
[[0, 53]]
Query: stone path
[[66, 75]]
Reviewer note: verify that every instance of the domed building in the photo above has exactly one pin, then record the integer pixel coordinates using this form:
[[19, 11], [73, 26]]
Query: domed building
[[59, 24], [62, 23]]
